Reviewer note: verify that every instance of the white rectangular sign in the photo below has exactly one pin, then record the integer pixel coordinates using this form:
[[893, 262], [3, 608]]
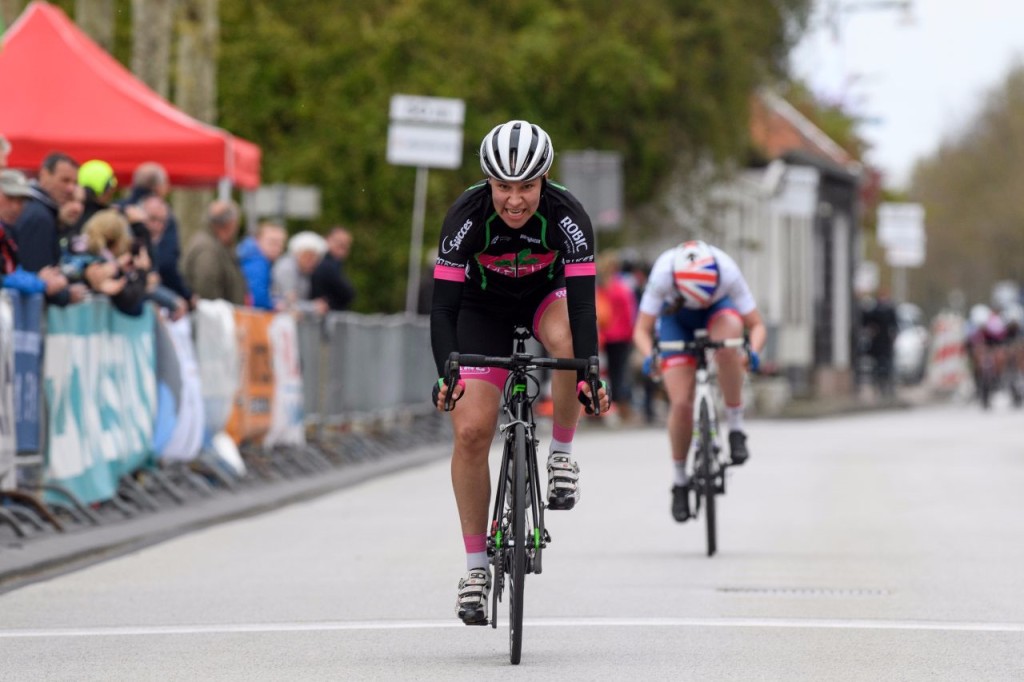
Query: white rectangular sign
[[437, 110], [427, 146]]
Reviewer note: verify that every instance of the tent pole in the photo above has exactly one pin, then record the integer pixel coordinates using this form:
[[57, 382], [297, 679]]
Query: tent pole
[[224, 189]]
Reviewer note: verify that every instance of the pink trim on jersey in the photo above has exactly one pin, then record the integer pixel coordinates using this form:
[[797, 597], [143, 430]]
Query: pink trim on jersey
[[580, 269], [493, 375], [548, 300], [449, 273], [475, 543]]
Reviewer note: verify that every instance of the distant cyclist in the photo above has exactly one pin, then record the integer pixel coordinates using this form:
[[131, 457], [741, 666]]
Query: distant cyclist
[[515, 249], [698, 286], [987, 337]]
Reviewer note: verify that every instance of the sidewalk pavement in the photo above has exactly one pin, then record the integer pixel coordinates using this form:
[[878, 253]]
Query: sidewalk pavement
[[45, 554]]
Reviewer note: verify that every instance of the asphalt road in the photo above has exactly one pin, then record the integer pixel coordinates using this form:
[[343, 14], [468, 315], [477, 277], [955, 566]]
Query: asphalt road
[[879, 546]]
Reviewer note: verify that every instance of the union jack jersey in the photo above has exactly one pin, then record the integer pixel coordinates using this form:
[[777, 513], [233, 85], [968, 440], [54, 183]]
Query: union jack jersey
[[699, 281], [661, 286]]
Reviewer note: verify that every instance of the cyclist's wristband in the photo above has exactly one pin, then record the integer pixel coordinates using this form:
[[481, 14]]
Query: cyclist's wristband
[[436, 392]]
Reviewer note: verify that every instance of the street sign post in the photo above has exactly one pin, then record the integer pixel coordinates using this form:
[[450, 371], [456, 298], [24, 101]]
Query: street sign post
[[595, 178], [425, 132], [901, 232]]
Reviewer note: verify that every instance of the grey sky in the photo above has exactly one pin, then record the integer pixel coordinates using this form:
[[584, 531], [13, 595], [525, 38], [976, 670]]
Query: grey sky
[[918, 75]]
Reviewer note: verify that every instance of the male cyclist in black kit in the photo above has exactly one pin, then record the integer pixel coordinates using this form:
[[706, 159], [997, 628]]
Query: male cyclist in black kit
[[515, 248]]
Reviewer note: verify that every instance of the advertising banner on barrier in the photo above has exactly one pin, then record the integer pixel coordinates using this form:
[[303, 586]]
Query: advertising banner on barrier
[[99, 376], [287, 426], [168, 386], [7, 443], [28, 369], [187, 437], [250, 414], [218, 360]]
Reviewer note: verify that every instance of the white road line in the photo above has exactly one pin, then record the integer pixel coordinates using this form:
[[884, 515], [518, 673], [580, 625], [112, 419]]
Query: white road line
[[328, 626]]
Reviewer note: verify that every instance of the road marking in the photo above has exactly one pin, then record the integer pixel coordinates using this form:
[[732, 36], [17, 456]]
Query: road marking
[[328, 626]]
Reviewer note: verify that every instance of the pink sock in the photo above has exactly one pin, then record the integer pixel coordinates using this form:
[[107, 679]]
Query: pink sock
[[561, 438], [475, 543]]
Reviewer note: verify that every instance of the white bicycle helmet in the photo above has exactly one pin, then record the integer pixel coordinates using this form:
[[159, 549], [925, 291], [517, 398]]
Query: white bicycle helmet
[[695, 272], [979, 315], [516, 151]]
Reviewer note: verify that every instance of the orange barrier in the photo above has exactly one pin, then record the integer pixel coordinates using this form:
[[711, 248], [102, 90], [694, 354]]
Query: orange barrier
[[250, 414]]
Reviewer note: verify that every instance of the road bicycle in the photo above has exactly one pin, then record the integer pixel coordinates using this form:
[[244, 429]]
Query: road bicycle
[[707, 476], [517, 535]]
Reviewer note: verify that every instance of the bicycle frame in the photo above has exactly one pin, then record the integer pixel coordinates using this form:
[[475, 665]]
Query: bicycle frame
[[707, 470], [516, 538]]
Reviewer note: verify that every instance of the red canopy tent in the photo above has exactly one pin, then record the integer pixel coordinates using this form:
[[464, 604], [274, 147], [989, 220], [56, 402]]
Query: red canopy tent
[[63, 92]]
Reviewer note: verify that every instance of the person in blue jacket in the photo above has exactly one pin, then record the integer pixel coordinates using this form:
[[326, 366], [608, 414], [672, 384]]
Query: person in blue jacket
[[256, 255]]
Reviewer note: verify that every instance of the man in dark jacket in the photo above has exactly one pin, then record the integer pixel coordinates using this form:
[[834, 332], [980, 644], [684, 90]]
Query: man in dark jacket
[[151, 179], [36, 231], [329, 280]]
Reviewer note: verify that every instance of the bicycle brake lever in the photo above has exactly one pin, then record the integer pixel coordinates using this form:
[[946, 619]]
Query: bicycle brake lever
[[451, 379], [594, 379]]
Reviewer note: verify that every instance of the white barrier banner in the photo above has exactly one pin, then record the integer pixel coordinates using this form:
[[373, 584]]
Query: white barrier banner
[[8, 444], [187, 437], [286, 412]]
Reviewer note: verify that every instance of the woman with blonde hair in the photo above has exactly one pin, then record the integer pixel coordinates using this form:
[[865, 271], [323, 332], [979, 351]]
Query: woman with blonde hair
[[116, 267]]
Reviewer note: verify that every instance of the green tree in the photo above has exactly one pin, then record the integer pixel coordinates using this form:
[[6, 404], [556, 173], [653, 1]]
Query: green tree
[[657, 81], [973, 212]]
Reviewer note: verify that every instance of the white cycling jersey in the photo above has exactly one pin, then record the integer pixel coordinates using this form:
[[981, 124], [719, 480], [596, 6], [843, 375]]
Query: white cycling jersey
[[661, 288]]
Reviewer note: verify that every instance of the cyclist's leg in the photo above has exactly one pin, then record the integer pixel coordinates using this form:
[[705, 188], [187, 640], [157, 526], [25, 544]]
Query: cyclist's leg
[[481, 329], [678, 376], [678, 371], [551, 327], [726, 323], [473, 422]]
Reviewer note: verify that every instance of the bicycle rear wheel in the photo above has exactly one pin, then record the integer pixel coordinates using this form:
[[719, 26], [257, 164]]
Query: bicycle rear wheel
[[706, 475], [518, 546]]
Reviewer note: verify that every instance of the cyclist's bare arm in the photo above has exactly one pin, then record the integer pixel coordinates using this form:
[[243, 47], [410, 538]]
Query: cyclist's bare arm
[[756, 331], [643, 333]]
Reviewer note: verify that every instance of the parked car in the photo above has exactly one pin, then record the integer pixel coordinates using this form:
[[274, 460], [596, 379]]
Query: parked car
[[910, 353]]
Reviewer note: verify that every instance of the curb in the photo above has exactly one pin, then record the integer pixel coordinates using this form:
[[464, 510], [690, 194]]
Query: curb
[[23, 562]]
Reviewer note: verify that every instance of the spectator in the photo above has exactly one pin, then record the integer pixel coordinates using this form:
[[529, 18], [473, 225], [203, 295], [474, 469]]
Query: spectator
[[68, 221], [149, 179], [154, 212], [210, 264], [616, 307], [116, 266], [329, 280], [100, 184], [290, 276], [880, 325], [257, 254], [36, 229], [14, 192]]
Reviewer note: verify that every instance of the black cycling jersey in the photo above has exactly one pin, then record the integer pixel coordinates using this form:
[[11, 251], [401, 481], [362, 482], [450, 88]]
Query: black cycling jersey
[[483, 259]]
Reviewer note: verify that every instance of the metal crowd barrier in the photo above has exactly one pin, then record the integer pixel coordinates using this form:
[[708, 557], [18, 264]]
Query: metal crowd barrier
[[366, 381], [369, 367]]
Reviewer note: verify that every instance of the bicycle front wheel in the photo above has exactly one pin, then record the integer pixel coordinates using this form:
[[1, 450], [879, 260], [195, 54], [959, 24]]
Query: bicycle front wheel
[[518, 546], [706, 475]]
